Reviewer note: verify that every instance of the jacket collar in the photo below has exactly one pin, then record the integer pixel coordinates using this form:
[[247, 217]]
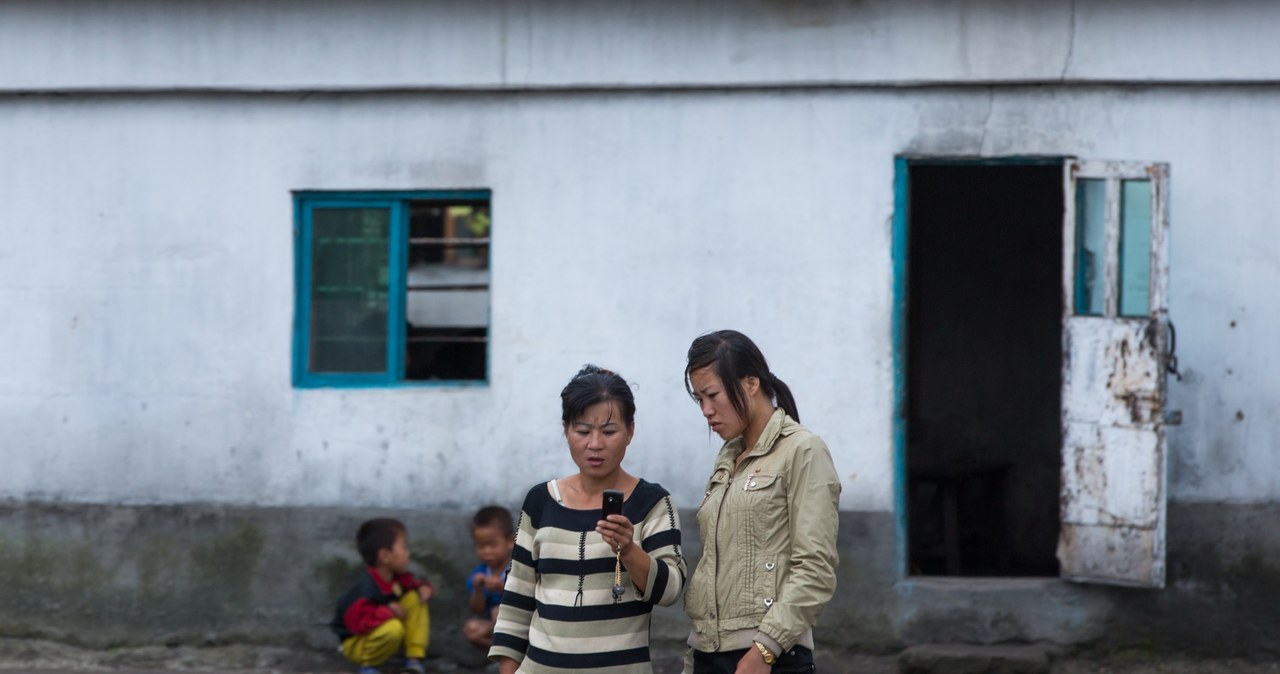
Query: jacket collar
[[779, 425], [385, 586]]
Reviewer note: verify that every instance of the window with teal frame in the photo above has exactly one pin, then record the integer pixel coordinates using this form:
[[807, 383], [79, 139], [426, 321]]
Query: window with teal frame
[[392, 288]]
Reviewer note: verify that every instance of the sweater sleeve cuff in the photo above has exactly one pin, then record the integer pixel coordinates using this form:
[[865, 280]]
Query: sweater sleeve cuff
[[496, 652], [656, 584]]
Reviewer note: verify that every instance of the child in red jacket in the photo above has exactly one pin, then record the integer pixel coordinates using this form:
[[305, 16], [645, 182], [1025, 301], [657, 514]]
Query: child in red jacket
[[386, 608]]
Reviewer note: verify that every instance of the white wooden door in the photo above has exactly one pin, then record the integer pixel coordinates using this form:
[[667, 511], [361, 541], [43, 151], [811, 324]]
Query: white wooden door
[[1115, 332]]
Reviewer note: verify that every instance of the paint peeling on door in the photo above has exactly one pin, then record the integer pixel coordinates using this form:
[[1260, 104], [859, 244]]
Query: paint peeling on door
[[1111, 414], [1113, 458], [1135, 379]]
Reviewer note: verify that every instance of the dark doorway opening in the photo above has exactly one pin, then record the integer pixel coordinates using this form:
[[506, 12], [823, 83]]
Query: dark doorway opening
[[984, 368]]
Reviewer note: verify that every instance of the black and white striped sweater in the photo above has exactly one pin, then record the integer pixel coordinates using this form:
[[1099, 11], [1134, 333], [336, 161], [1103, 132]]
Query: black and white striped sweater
[[558, 611]]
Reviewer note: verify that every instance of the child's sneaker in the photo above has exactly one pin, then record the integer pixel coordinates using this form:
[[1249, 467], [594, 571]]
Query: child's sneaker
[[414, 666]]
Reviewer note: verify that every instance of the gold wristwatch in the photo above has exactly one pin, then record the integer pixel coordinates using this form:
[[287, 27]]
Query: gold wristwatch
[[769, 659]]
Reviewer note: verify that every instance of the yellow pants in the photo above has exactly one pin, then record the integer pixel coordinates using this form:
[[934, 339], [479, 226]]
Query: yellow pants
[[413, 633]]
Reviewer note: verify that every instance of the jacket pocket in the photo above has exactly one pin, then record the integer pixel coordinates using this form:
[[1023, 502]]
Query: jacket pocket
[[759, 482], [766, 574], [764, 499], [765, 496]]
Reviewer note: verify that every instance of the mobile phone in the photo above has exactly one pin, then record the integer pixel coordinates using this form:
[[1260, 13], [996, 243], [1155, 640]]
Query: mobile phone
[[612, 502]]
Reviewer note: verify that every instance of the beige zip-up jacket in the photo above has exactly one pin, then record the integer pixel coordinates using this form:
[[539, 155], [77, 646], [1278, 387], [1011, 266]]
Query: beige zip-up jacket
[[768, 530]]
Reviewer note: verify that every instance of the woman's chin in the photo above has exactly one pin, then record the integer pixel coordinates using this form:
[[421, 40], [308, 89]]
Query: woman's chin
[[601, 470]]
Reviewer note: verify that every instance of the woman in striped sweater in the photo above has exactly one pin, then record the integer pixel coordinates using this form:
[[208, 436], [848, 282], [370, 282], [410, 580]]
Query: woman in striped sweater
[[581, 588]]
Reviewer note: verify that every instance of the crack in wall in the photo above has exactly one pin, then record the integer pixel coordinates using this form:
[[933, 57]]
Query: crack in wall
[[1071, 43]]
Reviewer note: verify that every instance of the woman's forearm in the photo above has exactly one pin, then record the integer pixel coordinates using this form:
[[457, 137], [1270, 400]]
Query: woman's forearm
[[637, 562]]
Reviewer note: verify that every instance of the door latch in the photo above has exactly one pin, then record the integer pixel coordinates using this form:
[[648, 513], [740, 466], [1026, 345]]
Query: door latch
[[1171, 363]]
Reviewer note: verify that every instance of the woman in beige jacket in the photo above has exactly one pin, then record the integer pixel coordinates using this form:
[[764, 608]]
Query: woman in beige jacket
[[768, 520]]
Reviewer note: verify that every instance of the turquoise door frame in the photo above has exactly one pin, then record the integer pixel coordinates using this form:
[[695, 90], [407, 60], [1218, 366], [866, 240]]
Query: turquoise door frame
[[901, 256]]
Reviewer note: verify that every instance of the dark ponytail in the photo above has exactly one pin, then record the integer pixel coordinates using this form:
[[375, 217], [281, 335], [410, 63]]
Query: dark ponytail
[[732, 356], [782, 394]]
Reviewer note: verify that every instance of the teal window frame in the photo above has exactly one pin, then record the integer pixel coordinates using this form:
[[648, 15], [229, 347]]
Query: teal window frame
[[304, 205]]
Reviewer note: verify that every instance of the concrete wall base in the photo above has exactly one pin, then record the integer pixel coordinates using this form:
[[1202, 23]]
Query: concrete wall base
[[107, 575]]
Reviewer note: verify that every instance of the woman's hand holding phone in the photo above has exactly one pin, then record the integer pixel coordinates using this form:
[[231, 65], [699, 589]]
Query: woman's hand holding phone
[[615, 528]]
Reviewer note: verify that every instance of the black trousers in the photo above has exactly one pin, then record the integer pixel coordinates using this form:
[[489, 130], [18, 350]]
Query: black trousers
[[798, 660]]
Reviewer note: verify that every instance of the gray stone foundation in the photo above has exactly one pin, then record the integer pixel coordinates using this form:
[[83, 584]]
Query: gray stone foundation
[[105, 575]]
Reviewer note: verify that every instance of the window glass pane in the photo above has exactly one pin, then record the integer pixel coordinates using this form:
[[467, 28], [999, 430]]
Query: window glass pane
[[1135, 247], [1091, 241], [349, 267], [447, 303]]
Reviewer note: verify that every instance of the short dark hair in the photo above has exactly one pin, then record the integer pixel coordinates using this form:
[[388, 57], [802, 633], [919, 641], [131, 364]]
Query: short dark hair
[[732, 356], [377, 534], [594, 385], [494, 516]]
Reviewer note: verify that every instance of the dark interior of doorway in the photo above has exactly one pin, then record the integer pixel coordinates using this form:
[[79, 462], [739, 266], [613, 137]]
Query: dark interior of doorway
[[984, 360]]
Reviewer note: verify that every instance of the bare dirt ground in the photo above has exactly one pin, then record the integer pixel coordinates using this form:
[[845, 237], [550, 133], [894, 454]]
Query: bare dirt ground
[[1163, 665], [47, 657]]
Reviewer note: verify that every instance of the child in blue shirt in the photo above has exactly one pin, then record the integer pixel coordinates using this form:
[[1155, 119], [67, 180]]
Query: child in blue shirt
[[494, 535]]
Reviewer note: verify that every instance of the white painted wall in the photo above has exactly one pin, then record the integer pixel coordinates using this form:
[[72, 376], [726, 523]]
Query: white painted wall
[[146, 251], [144, 44]]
